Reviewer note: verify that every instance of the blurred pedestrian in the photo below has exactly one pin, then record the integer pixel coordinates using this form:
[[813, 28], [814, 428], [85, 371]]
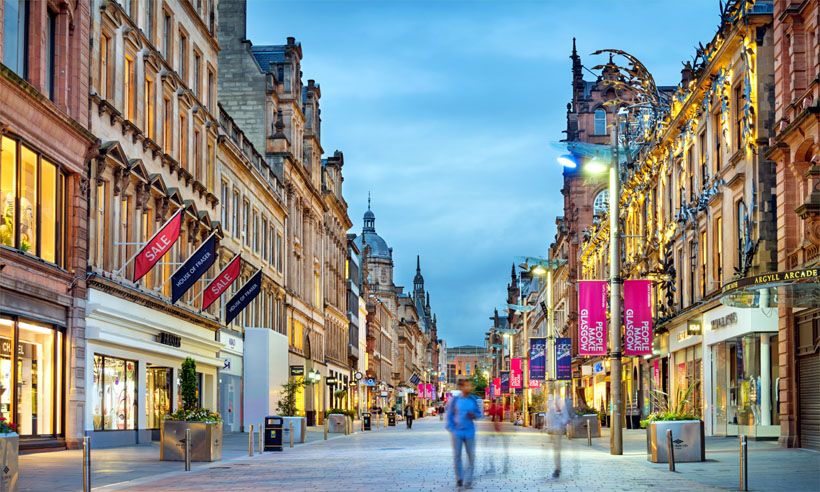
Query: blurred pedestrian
[[441, 412], [557, 420], [461, 412], [408, 415]]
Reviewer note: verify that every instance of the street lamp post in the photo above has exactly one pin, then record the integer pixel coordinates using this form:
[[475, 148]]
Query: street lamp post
[[615, 287], [525, 383]]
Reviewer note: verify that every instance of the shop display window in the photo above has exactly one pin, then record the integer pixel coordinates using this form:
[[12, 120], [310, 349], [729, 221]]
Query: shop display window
[[114, 393], [31, 376]]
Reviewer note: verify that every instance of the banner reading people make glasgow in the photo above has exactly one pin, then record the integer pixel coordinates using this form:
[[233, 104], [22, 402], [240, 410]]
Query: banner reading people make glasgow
[[516, 374], [496, 387], [637, 317], [538, 360], [591, 317]]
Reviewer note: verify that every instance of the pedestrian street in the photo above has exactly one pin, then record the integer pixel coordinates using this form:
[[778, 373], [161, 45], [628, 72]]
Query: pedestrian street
[[396, 458]]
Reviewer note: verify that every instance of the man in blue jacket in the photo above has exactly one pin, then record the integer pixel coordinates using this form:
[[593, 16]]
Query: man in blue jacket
[[462, 411]]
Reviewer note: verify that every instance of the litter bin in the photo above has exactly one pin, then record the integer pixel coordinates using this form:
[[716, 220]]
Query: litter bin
[[391, 419], [273, 433], [311, 417], [540, 419], [366, 420]]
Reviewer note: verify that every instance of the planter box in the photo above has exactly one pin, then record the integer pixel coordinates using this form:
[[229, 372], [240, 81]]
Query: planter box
[[206, 441], [577, 427], [687, 440], [299, 428], [9, 470], [336, 423]]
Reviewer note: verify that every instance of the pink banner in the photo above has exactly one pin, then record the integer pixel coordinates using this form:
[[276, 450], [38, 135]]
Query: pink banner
[[535, 383], [516, 375], [430, 392], [637, 317], [486, 392], [421, 390], [592, 317], [496, 387]]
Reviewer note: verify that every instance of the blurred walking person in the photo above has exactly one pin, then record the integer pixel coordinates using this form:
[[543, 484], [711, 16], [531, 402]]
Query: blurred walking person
[[462, 412], [557, 419], [496, 437], [408, 415]]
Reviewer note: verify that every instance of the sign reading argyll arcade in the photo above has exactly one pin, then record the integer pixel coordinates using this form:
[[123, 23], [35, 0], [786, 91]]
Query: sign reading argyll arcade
[[637, 317], [592, 317]]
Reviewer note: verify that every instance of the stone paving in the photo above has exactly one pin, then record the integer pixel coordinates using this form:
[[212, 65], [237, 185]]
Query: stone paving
[[420, 459]]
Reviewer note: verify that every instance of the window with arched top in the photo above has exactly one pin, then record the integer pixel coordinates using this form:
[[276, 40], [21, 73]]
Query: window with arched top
[[601, 203], [600, 122]]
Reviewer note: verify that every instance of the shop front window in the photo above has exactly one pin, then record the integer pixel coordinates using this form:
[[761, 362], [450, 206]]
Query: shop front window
[[34, 370], [114, 393], [158, 395], [31, 208]]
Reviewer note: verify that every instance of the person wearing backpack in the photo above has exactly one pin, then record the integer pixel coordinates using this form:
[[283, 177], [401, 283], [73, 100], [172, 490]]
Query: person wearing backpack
[[461, 413]]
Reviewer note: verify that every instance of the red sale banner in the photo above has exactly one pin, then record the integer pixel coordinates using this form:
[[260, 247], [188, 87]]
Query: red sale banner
[[592, 317], [157, 246], [516, 374], [222, 281], [637, 317]]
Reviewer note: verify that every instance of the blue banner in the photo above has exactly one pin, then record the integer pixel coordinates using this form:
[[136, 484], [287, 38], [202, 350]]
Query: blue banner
[[505, 382], [186, 276], [243, 297], [538, 359], [563, 359]]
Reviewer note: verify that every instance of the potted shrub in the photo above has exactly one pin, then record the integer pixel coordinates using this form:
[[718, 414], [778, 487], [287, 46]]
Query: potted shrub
[[205, 425], [585, 416], [687, 429], [9, 442], [286, 407]]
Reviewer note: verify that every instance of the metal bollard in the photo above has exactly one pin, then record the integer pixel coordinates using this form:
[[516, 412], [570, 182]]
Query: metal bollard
[[291, 434], [744, 464], [670, 450], [589, 434], [250, 441], [86, 464], [261, 438], [325, 428], [187, 449]]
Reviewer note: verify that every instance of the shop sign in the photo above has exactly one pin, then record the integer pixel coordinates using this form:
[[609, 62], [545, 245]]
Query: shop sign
[[694, 327], [226, 364], [724, 321], [330, 380], [772, 278], [297, 370], [370, 382], [591, 317], [586, 370], [169, 339], [358, 376], [23, 349], [598, 367]]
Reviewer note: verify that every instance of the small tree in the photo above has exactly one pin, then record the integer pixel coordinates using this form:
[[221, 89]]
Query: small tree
[[286, 406], [479, 383], [188, 385]]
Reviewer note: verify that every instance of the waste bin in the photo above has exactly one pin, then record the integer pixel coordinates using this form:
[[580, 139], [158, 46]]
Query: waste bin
[[540, 419], [366, 421], [311, 417], [273, 433], [391, 419]]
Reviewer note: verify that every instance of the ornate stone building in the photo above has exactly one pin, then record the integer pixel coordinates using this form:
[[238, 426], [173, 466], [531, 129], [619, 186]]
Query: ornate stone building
[[45, 153], [795, 149]]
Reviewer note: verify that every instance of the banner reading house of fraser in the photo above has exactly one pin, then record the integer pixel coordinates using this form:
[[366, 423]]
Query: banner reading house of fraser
[[538, 361], [516, 374], [592, 317], [637, 317], [193, 268], [243, 297], [157, 246]]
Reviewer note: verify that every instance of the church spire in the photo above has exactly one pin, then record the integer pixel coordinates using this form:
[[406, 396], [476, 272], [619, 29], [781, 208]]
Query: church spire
[[369, 218], [418, 280]]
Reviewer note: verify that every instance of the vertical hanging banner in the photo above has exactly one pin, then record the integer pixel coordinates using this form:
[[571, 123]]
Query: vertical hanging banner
[[486, 392], [516, 374], [538, 361], [156, 247], [220, 284], [505, 382], [243, 297], [496, 392], [637, 317], [421, 390], [563, 359], [193, 268], [592, 317], [431, 392]]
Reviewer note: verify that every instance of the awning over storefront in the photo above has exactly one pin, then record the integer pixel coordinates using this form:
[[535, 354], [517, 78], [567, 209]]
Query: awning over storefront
[[793, 288]]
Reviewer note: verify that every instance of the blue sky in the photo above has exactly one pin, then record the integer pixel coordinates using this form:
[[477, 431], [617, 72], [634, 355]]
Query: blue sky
[[445, 110]]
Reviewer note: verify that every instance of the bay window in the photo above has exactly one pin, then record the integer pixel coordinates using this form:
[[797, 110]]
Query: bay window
[[31, 205]]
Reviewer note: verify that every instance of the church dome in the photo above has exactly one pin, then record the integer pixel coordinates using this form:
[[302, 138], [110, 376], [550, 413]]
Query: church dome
[[369, 237]]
